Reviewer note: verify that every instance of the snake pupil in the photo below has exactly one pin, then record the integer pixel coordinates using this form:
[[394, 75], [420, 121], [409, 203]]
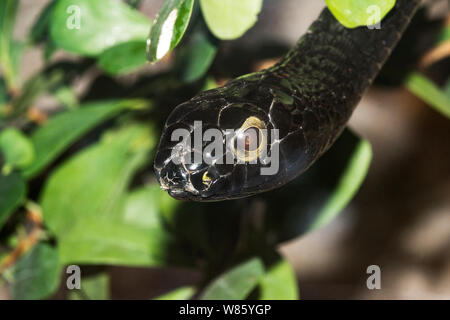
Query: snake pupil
[[248, 140]]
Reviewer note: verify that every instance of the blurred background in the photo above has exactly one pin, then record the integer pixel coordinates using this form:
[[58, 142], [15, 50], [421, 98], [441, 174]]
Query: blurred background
[[400, 218]]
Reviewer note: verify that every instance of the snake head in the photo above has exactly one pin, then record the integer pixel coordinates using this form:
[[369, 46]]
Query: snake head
[[224, 144]]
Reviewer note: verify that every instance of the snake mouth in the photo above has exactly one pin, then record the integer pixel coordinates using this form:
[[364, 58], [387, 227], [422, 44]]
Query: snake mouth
[[178, 193]]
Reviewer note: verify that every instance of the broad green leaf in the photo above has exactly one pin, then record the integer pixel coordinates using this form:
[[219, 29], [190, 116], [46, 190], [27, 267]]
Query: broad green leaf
[[123, 58], [146, 206], [88, 27], [168, 28], [63, 129], [183, 293], [237, 283], [97, 240], [348, 185], [89, 215], [429, 92], [230, 19], [95, 287], [37, 273], [17, 149], [196, 57], [8, 11], [357, 13], [12, 194], [279, 282]]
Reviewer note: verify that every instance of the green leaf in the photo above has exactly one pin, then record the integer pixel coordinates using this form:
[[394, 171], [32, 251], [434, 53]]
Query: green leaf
[[17, 149], [210, 83], [183, 293], [444, 35], [35, 87], [348, 185], [12, 194], [88, 215], [8, 11], [63, 129], [279, 282], [429, 92], [66, 96], [168, 28], [230, 19], [357, 13], [40, 30], [237, 283], [146, 206], [16, 49], [134, 3], [95, 287], [3, 95], [123, 58], [49, 50], [88, 27], [36, 274], [196, 57], [447, 88]]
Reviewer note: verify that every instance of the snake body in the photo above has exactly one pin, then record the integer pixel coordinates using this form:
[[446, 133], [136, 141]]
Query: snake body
[[308, 97]]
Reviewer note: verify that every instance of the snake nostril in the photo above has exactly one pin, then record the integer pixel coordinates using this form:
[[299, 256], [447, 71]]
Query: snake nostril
[[196, 180], [202, 180]]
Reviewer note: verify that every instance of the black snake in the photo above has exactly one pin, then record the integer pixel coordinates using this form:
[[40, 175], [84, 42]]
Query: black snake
[[308, 97]]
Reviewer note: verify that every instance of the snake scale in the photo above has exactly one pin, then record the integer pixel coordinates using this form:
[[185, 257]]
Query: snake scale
[[307, 97]]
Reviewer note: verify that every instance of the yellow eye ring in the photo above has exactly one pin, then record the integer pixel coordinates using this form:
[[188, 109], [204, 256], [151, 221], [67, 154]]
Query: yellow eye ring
[[244, 154]]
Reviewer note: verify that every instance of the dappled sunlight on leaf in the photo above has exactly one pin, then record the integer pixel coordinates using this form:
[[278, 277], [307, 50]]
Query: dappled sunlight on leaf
[[359, 13], [74, 20], [168, 28]]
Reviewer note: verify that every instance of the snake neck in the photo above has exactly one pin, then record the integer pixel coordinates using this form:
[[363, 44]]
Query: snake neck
[[338, 64], [331, 66]]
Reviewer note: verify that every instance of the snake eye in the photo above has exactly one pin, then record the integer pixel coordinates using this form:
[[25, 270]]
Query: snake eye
[[250, 140], [247, 140]]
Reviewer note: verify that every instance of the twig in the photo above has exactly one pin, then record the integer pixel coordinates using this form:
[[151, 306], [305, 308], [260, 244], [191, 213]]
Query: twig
[[436, 54], [25, 244]]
